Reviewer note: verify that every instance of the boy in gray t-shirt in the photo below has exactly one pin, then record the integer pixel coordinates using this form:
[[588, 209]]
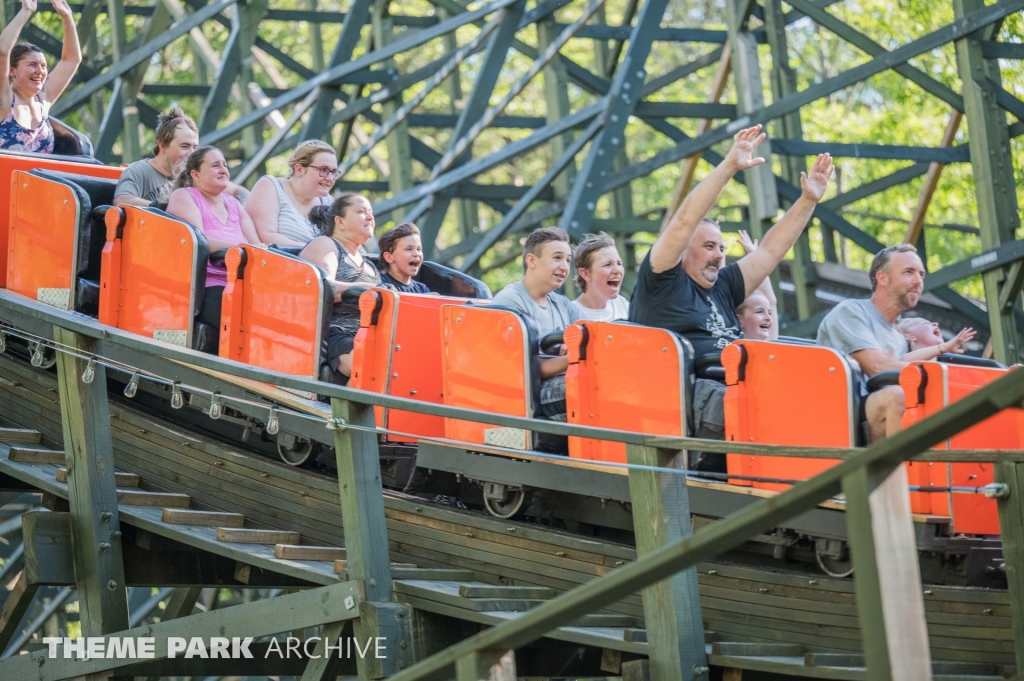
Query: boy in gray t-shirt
[[546, 258]]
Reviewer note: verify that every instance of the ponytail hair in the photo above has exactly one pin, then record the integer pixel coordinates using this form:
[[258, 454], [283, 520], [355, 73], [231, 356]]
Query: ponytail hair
[[322, 216], [193, 162]]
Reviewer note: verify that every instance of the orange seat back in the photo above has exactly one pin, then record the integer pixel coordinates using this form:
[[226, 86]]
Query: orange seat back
[[398, 352], [274, 309], [33, 203], [487, 362], [43, 240], [787, 395], [928, 387], [624, 377], [153, 270]]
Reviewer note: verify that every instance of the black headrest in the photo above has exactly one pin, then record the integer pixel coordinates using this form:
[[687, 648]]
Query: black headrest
[[449, 282], [69, 142], [287, 250]]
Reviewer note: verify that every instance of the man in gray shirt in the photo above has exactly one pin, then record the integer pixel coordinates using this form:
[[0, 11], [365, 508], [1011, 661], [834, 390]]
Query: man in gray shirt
[[149, 181], [546, 258], [866, 330]]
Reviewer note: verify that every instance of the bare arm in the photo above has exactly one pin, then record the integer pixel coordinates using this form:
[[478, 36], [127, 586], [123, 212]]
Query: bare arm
[[954, 345], [131, 200], [240, 193], [263, 207], [667, 251], [554, 366], [181, 206], [874, 361], [70, 56], [249, 229], [780, 238], [8, 39], [322, 252]]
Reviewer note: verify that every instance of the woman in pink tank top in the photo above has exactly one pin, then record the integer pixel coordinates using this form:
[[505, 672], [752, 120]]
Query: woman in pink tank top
[[199, 198]]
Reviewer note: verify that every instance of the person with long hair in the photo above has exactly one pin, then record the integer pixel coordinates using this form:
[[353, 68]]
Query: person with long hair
[[599, 274], [279, 207], [345, 226], [200, 198], [30, 90]]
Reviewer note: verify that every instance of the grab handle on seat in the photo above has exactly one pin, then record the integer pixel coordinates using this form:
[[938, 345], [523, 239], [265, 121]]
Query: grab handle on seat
[[217, 257], [351, 295], [549, 343], [883, 379], [709, 366]]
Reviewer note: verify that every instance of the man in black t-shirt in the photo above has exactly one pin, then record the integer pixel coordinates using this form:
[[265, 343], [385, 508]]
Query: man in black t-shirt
[[684, 287]]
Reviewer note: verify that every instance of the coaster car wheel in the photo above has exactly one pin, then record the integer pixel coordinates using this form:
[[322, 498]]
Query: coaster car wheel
[[503, 501]]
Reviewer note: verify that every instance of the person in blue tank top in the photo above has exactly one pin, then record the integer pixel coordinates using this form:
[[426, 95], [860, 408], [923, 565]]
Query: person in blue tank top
[[29, 92]]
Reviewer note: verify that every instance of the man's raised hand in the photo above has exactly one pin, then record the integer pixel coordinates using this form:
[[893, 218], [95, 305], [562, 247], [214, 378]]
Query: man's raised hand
[[62, 8], [29, 5], [741, 156], [815, 184]]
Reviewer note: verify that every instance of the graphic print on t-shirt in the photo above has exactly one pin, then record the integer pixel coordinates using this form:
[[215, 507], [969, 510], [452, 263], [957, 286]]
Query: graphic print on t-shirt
[[716, 326]]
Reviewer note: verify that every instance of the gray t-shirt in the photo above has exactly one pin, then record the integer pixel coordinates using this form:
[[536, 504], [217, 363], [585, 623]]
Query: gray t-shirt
[[141, 179], [855, 325], [558, 314]]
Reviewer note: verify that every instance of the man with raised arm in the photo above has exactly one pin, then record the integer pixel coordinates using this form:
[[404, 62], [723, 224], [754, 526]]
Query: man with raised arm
[[684, 285]]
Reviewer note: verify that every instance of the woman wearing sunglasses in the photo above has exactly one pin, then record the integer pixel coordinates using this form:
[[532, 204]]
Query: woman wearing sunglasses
[[279, 207]]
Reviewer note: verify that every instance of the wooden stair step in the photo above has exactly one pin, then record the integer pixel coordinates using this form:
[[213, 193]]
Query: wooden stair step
[[342, 565], [433, 574], [635, 635], [184, 516], [298, 552], [757, 649], [503, 604], [137, 497], [604, 620], [22, 435], [239, 535], [36, 455], [121, 479], [833, 660], [532, 593]]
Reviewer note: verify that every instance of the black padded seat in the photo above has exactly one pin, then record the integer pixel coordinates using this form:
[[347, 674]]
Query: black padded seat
[[449, 282], [69, 142]]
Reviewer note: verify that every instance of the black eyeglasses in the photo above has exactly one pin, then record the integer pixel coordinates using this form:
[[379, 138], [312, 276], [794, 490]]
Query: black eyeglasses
[[326, 172]]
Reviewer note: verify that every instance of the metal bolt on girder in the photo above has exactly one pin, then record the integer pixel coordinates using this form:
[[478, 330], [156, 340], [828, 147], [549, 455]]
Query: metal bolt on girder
[[112, 585]]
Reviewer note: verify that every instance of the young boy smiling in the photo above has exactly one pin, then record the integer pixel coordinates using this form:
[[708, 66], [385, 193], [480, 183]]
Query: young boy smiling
[[401, 249]]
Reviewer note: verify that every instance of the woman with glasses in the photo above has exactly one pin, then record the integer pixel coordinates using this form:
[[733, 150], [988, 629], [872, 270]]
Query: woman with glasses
[[279, 207]]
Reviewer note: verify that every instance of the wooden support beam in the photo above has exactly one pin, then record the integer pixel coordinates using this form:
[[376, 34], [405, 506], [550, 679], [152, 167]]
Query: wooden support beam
[[366, 537], [1011, 525], [887, 575], [685, 181], [760, 180], [783, 80], [931, 182], [672, 612], [92, 489], [14, 608], [399, 164], [323, 666]]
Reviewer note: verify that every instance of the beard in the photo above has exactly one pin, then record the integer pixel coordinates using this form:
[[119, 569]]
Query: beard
[[904, 300], [711, 273]]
